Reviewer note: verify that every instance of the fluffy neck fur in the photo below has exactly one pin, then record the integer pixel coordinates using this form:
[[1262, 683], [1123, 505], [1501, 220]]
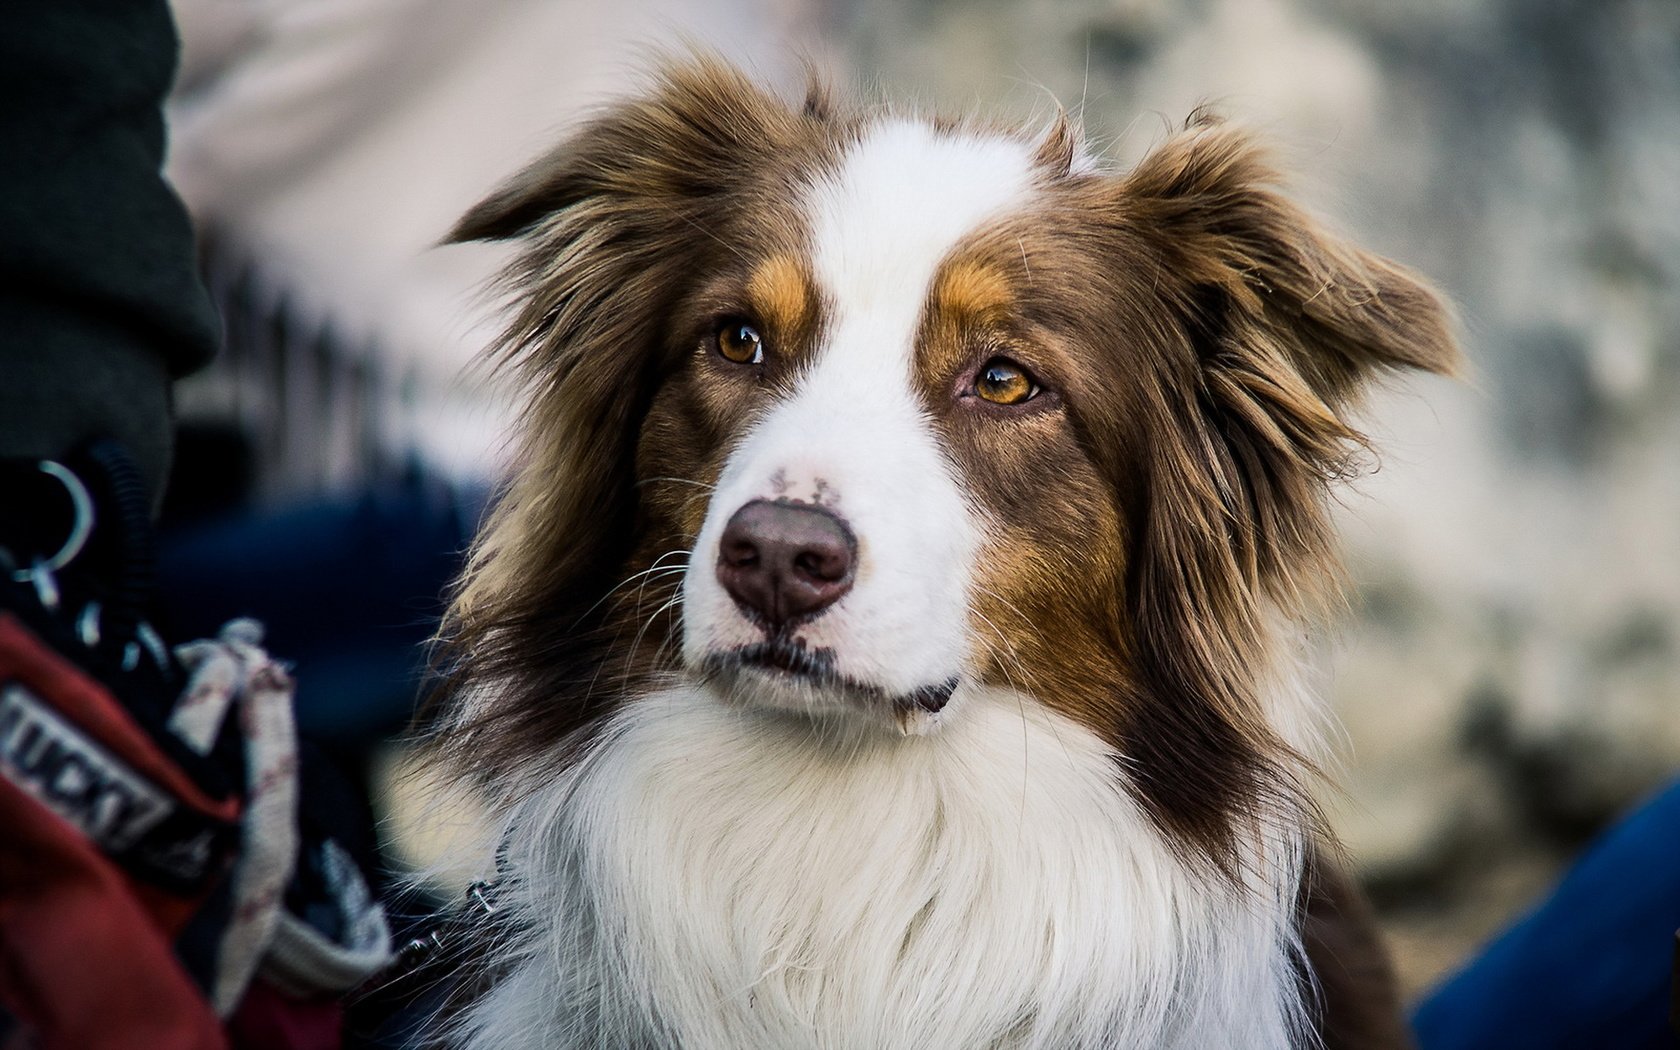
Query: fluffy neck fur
[[712, 878]]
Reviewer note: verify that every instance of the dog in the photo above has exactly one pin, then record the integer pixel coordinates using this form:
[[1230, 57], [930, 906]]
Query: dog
[[888, 637]]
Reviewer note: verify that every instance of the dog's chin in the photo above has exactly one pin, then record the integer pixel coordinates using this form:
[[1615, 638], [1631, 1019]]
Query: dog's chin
[[788, 678]]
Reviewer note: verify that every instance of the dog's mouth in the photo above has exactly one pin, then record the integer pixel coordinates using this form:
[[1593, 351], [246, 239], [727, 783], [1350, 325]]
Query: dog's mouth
[[790, 659]]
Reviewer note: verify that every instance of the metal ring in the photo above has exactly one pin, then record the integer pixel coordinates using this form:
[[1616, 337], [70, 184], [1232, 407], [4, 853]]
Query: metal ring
[[81, 527]]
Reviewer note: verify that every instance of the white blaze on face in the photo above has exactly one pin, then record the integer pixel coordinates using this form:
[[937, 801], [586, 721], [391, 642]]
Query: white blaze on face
[[854, 435]]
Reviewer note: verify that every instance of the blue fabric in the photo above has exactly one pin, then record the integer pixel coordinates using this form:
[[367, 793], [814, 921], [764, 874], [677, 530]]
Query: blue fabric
[[348, 587], [1589, 968]]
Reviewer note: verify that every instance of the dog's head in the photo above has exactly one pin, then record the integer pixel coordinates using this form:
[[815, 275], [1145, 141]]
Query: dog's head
[[844, 414]]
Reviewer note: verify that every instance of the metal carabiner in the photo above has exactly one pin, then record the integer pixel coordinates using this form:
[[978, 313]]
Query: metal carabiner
[[81, 527]]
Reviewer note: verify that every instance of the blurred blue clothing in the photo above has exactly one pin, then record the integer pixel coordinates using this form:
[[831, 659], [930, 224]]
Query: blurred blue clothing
[[349, 588], [1590, 967]]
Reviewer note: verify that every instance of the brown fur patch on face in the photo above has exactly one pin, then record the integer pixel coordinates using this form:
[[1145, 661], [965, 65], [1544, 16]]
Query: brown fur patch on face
[[1200, 341], [1045, 604], [783, 294], [639, 235]]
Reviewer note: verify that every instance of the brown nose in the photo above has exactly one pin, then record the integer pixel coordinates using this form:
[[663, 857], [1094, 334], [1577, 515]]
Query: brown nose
[[785, 561]]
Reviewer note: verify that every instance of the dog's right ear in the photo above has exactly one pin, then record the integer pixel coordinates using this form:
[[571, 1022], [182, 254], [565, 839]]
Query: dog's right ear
[[686, 141]]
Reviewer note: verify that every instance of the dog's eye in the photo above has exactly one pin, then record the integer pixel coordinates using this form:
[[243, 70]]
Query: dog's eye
[[740, 342], [1003, 382]]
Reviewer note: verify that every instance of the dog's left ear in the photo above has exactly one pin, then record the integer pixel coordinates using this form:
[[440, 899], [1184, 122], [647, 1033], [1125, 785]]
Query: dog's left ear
[[1338, 314], [1284, 326], [1288, 323]]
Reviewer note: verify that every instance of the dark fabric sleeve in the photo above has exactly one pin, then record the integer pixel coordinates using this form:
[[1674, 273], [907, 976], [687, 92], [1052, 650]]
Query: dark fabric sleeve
[[100, 302]]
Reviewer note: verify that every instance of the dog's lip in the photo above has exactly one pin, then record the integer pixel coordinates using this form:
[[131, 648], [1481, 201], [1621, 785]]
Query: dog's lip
[[792, 658]]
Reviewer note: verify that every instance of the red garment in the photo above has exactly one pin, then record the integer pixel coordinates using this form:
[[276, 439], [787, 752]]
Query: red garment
[[85, 958], [269, 1019]]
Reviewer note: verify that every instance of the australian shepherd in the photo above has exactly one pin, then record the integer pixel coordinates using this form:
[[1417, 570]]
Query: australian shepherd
[[887, 640]]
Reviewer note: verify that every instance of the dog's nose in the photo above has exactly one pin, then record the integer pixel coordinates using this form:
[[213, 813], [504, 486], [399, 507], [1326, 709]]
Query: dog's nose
[[784, 561]]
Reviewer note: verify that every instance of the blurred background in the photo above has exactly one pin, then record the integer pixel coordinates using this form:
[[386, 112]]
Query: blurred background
[[1509, 668]]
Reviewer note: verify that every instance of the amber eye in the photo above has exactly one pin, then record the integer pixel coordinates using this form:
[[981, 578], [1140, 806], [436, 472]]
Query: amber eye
[[740, 342], [1003, 382]]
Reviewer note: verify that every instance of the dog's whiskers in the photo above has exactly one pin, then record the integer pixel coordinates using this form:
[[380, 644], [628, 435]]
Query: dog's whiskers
[[707, 485], [657, 570]]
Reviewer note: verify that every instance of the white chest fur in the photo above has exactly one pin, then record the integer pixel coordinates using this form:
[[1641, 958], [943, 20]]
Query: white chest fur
[[718, 879]]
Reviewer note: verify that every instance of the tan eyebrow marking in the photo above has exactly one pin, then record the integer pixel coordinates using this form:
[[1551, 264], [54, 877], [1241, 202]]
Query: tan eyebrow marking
[[973, 289], [971, 294], [779, 289]]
